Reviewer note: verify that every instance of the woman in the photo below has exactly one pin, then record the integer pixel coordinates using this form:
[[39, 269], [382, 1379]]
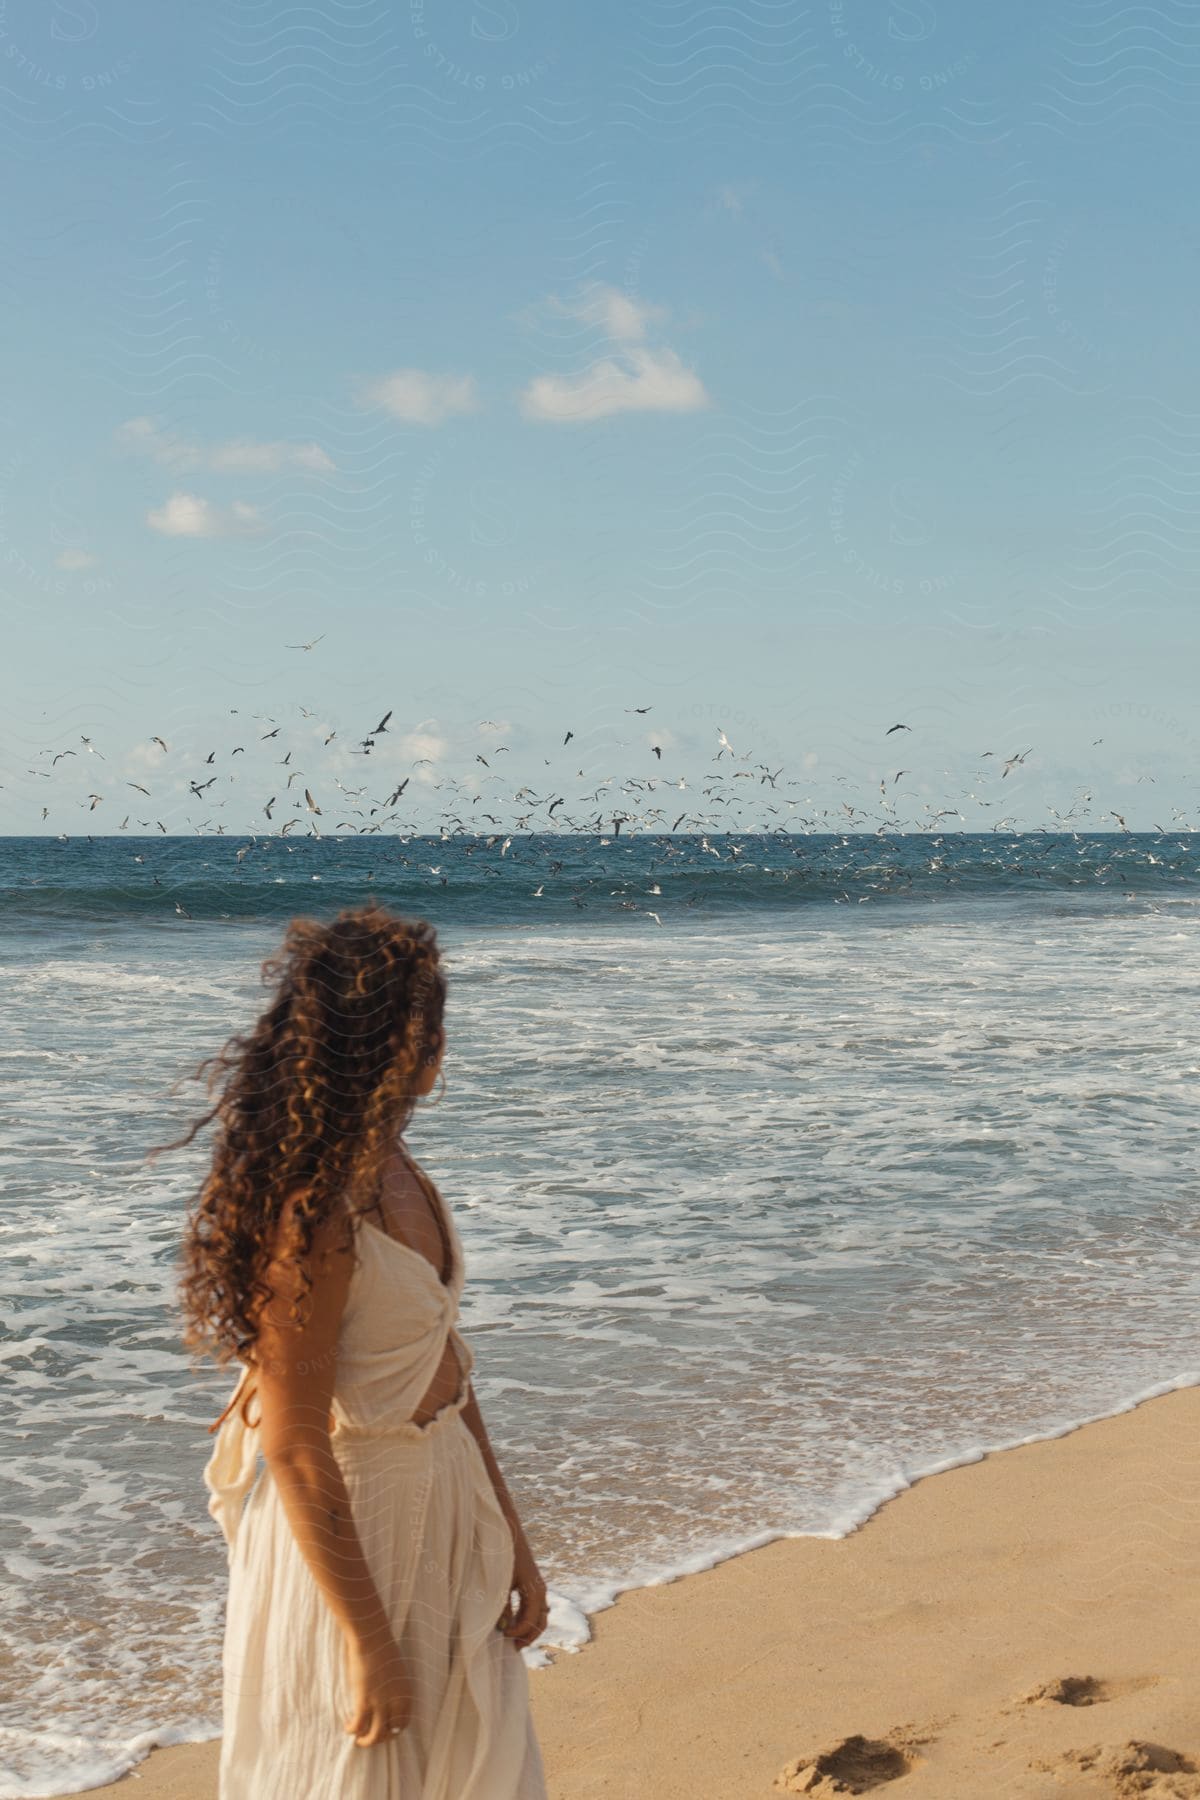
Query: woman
[[370, 1650]]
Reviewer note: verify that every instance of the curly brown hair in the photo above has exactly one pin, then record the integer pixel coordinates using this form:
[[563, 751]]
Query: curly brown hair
[[313, 1100]]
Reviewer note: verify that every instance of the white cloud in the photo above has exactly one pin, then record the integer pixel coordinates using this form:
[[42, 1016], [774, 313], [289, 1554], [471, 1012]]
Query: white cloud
[[416, 744], [143, 758], [642, 380], [144, 434], [636, 377], [75, 560], [188, 515], [621, 316], [419, 398], [239, 456], [731, 196], [246, 457]]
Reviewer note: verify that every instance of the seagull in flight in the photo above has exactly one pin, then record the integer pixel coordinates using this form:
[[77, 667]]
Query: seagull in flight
[[307, 646]]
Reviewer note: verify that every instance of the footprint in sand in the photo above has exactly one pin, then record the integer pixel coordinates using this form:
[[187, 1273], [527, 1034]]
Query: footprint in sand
[[1083, 1690], [1136, 1771], [854, 1765]]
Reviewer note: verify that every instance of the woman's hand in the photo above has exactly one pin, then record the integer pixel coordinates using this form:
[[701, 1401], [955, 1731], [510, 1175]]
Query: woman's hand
[[381, 1691], [533, 1611]]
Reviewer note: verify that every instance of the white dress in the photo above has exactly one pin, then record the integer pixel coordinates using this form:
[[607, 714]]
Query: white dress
[[439, 1549]]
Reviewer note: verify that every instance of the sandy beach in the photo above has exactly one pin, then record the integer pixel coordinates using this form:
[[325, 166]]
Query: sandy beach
[[1025, 1626]]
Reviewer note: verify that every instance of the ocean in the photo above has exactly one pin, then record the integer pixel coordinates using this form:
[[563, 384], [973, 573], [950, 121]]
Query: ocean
[[788, 1169]]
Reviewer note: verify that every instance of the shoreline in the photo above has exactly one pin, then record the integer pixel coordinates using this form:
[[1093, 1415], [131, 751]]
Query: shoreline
[[921, 1630]]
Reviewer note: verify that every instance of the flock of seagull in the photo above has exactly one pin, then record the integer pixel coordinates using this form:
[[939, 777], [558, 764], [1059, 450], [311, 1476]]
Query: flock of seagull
[[719, 808], [380, 811]]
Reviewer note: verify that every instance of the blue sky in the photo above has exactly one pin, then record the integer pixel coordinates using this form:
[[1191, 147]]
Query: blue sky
[[789, 372]]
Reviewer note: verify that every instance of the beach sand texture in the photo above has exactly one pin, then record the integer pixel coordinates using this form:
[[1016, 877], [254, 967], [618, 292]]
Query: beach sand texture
[[1025, 1626]]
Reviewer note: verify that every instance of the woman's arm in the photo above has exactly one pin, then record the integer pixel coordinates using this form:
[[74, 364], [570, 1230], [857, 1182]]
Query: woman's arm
[[294, 1375], [529, 1621], [473, 1419]]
